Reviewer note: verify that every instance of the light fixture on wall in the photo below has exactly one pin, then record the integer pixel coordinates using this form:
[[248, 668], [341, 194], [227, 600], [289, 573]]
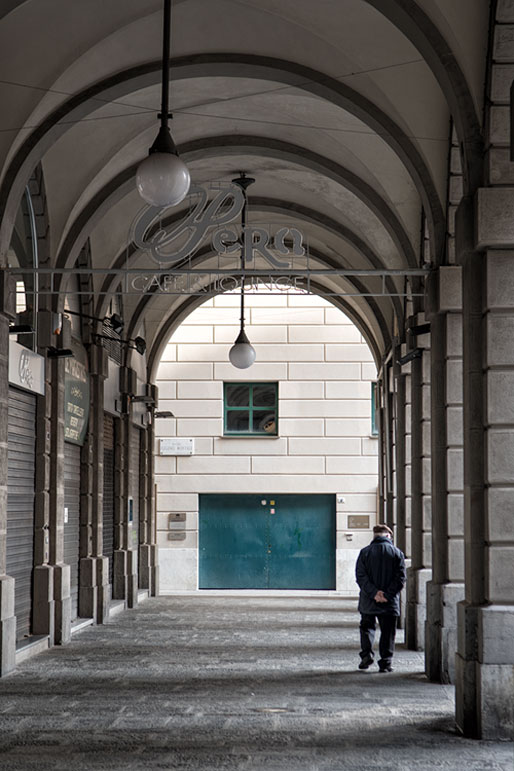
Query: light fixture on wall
[[417, 353], [242, 354], [58, 353], [162, 179], [115, 322], [142, 398], [136, 344], [21, 329]]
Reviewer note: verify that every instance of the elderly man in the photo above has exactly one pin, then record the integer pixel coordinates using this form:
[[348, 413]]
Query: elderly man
[[380, 573]]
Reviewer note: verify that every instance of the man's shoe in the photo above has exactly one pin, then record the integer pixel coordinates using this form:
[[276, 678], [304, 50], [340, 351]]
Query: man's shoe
[[386, 669], [366, 662]]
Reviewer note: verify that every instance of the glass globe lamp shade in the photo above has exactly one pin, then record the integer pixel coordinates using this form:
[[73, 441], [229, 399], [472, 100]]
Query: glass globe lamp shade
[[163, 179], [242, 354]]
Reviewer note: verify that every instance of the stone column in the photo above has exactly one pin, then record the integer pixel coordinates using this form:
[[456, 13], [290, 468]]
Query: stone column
[[446, 588], [419, 572], [485, 658], [7, 617], [379, 412], [125, 557], [404, 445], [388, 429], [400, 436], [51, 614], [148, 556], [95, 590]]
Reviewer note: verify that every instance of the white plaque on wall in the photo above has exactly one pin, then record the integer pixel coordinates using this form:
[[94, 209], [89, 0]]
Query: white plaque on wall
[[26, 368], [177, 446]]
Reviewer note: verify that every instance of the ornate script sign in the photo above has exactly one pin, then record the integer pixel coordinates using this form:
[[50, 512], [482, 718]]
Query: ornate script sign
[[170, 246]]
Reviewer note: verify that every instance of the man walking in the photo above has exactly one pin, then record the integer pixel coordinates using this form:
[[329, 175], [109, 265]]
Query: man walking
[[380, 573]]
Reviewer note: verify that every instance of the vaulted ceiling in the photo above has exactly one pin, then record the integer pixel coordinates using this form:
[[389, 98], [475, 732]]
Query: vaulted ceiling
[[339, 108]]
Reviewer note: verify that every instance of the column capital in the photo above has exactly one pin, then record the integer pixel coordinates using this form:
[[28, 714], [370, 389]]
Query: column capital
[[7, 295], [494, 220]]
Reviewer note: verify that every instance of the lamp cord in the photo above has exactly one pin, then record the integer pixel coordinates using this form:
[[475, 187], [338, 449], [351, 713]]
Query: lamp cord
[[166, 45], [243, 225]]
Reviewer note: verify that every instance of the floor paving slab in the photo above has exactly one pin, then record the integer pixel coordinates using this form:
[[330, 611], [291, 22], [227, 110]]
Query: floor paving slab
[[220, 683]]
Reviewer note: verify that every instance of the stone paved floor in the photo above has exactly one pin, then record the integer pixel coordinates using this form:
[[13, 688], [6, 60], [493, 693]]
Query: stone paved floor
[[230, 683]]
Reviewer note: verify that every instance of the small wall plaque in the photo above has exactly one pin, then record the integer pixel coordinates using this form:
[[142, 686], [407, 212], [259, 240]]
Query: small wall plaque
[[358, 521], [177, 516], [177, 535], [176, 446]]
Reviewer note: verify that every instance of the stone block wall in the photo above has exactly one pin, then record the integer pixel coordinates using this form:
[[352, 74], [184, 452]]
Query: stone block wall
[[324, 369]]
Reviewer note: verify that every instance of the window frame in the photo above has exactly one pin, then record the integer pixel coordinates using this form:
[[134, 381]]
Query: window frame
[[251, 384], [374, 422]]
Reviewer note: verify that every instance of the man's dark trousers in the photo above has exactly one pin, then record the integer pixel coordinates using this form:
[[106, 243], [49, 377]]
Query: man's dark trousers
[[387, 624]]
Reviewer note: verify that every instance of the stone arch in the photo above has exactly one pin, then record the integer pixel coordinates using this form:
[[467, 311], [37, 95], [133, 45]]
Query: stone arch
[[192, 303], [228, 65]]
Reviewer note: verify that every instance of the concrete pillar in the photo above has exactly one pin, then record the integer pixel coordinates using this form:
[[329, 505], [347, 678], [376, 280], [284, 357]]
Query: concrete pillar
[[446, 588], [419, 572], [95, 589], [485, 658], [7, 617]]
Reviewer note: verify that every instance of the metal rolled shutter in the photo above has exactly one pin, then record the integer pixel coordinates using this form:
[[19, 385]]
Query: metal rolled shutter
[[108, 492], [72, 515], [20, 503], [135, 456]]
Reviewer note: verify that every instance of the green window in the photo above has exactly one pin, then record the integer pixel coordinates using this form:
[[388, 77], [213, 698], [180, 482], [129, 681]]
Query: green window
[[250, 409], [374, 427]]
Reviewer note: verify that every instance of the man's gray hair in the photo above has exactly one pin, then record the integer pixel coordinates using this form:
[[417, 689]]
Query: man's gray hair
[[382, 530]]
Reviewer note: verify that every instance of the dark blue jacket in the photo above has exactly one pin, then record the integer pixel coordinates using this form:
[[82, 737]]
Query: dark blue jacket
[[380, 566]]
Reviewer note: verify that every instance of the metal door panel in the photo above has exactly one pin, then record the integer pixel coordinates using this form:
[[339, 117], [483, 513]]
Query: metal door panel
[[20, 503], [72, 525], [302, 544], [267, 542], [231, 542], [108, 492]]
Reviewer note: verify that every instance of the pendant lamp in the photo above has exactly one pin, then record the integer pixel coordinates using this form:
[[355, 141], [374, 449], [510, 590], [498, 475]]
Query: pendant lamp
[[242, 354], [162, 179]]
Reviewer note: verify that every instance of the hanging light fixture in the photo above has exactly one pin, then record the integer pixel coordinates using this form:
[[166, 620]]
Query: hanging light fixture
[[242, 353], [162, 178]]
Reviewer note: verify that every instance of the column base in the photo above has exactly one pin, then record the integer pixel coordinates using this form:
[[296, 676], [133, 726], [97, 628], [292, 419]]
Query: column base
[[417, 579], [103, 590], [87, 588], [485, 672], [43, 607], [125, 576], [7, 626], [95, 590], [62, 582], [149, 569], [441, 630]]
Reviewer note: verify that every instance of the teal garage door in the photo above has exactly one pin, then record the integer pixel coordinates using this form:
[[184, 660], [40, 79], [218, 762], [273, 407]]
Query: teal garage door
[[267, 541]]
